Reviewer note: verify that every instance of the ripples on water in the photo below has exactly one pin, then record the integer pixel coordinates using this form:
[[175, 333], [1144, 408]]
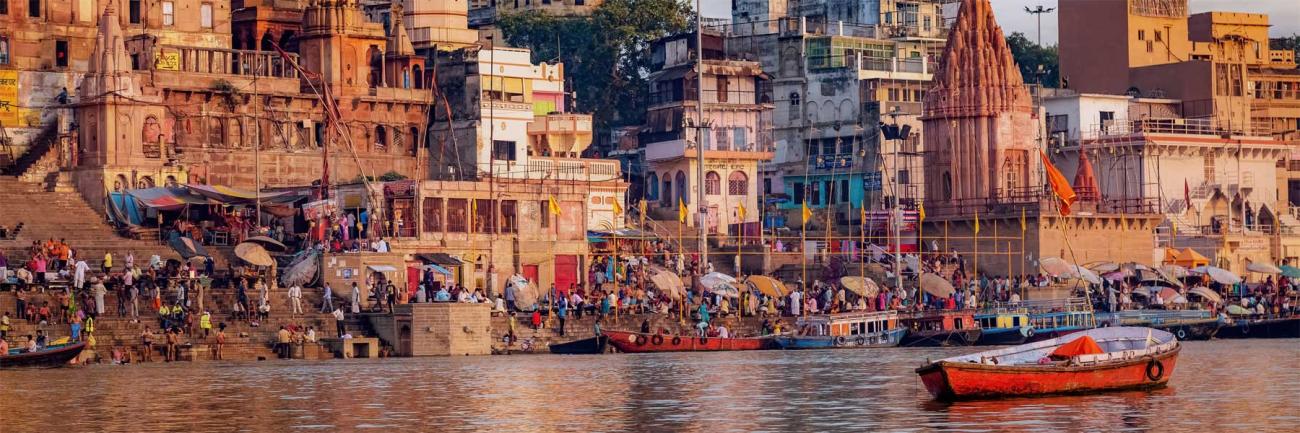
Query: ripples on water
[[1234, 385]]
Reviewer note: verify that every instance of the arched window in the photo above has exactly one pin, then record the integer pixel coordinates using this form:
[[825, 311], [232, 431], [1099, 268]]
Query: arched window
[[652, 186], [666, 199], [737, 183], [681, 187], [399, 140], [712, 183], [152, 132], [216, 132], [417, 76], [947, 186], [236, 139], [381, 139], [415, 141]]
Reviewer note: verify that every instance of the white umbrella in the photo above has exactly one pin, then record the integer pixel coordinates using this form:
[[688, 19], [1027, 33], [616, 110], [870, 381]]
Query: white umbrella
[[1086, 275], [936, 285], [1056, 267], [1206, 293], [1263, 268], [1223, 276], [714, 279]]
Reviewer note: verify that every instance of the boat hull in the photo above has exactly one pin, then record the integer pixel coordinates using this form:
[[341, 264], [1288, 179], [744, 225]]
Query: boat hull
[[635, 342], [1004, 336], [881, 339], [1269, 328], [1040, 335], [1192, 331], [950, 381], [587, 346], [47, 358], [945, 338]]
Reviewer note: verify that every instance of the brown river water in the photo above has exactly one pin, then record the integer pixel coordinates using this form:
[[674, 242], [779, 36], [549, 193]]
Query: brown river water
[[1219, 386]]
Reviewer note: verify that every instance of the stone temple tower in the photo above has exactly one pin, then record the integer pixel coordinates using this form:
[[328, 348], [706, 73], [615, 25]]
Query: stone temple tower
[[979, 121]]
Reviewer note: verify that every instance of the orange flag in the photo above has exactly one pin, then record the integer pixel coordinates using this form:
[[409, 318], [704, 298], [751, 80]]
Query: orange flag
[[1060, 186]]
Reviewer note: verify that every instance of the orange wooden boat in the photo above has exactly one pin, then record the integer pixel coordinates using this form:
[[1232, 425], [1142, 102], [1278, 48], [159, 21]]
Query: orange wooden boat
[[636, 342], [1102, 359]]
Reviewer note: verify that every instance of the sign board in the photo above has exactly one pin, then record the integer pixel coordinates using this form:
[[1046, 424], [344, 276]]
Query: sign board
[[871, 181], [320, 208], [167, 61], [9, 98]]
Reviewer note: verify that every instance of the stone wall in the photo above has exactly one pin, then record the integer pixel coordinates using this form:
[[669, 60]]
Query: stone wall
[[442, 329]]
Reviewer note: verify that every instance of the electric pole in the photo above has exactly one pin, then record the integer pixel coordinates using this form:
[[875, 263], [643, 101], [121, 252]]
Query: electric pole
[[1038, 13]]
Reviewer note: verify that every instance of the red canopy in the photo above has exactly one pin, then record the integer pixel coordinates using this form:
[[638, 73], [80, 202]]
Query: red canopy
[[1080, 346]]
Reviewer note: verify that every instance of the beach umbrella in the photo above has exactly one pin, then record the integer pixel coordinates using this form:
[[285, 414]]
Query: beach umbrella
[[187, 248], [268, 243], [1056, 267], [766, 285], [1175, 271], [713, 279], [863, 286], [726, 290], [936, 285], [1113, 276], [1263, 268], [1290, 271], [1104, 267], [1168, 293], [1087, 275], [1237, 310], [1180, 299], [1206, 293], [669, 283], [1223, 276], [254, 254]]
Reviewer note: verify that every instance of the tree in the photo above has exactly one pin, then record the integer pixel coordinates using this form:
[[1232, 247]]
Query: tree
[[606, 55], [1030, 56], [1286, 43]]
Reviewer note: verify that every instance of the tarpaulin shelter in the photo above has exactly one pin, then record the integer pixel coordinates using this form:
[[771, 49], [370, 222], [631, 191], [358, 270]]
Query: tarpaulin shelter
[[1080, 346]]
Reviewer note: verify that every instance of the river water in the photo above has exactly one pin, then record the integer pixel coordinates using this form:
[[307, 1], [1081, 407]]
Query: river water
[[1231, 385]]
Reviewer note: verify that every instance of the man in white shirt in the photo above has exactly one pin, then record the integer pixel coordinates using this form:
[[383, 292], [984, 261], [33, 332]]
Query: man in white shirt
[[723, 332], [794, 302], [338, 321], [295, 298], [356, 298], [327, 299], [79, 278]]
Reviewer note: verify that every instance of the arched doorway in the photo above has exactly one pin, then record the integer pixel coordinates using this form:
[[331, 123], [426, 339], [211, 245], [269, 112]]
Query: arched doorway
[[404, 341], [681, 187]]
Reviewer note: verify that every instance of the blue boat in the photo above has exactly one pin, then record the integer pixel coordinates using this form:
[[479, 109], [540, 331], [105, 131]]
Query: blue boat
[[1055, 324], [845, 331], [1004, 328]]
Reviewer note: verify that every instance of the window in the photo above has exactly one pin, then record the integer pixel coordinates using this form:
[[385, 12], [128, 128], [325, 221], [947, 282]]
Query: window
[[1142, 35], [724, 87], [712, 183], [720, 141], [484, 221], [216, 132], [1107, 118], [767, 186], [4, 50], [205, 15], [652, 186], [503, 150], [34, 8], [738, 137], [738, 183], [844, 190], [1158, 38], [4, 7], [816, 191], [432, 215], [509, 216], [457, 215], [799, 193], [133, 11], [61, 53], [381, 138], [169, 13], [545, 213]]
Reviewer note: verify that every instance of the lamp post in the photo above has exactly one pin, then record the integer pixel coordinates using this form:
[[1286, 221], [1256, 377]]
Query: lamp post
[[1038, 13]]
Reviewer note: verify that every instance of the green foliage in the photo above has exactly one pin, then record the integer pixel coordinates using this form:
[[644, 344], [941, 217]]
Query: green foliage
[[391, 176], [606, 55], [1030, 56], [1286, 43]]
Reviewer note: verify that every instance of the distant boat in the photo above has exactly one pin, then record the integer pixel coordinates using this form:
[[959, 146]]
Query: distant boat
[[1097, 360], [1184, 324], [940, 328], [1287, 327], [636, 342], [53, 356], [1003, 329], [587, 346], [845, 331], [1055, 324]]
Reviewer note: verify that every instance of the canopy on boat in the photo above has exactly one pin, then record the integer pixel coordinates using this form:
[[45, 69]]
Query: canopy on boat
[[1206, 293], [1223, 276], [936, 285], [1080, 346], [766, 285], [1263, 268], [1290, 271], [863, 286]]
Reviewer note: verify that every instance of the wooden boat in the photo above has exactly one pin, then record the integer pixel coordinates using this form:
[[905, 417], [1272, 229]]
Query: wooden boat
[[636, 342], [1184, 324], [1003, 329], [1056, 324], [941, 328], [53, 356], [1286, 327], [848, 330], [1103, 359], [587, 346]]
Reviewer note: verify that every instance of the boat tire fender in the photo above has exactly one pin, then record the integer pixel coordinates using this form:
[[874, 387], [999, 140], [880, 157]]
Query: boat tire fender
[[704, 340], [657, 340], [861, 341], [1029, 332], [1182, 334], [640, 340], [1155, 370], [677, 339], [840, 341]]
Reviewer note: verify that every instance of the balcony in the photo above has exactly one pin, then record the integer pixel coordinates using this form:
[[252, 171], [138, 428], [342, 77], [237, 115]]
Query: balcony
[[676, 144], [563, 169], [839, 161], [217, 61], [1203, 126], [913, 68], [560, 133]]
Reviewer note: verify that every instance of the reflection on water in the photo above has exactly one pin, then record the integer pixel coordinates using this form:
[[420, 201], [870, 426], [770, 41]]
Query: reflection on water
[[1235, 385]]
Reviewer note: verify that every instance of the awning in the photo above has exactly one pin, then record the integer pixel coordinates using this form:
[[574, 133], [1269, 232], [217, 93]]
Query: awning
[[439, 259], [438, 269], [381, 268], [165, 198], [226, 194]]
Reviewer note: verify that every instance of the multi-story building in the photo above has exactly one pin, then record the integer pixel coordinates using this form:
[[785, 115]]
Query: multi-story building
[[735, 127]]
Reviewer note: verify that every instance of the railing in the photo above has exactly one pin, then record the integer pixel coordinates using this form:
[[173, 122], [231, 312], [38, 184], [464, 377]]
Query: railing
[[222, 61], [545, 168], [917, 65], [1163, 126]]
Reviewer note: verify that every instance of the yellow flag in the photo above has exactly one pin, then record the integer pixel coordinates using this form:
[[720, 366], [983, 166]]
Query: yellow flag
[[473, 207], [618, 209], [977, 223], [1023, 225], [807, 214], [741, 212], [554, 205], [681, 211], [920, 210], [642, 205]]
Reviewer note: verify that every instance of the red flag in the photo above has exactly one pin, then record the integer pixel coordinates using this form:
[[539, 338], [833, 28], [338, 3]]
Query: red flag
[[1060, 186], [1187, 194]]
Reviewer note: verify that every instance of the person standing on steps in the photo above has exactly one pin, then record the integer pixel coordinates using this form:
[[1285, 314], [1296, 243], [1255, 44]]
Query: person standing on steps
[[356, 298], [338, 322], [108, 262], [295, 299], [327, 299]]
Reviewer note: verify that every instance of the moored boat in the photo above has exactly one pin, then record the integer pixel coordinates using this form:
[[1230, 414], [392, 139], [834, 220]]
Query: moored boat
[[1286, 327], [1184, 324], [847, 330], [1096, 360], [587, 346], [1056, 324], [54, 356], [940, 328], [1003, 329], [636, 342]]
